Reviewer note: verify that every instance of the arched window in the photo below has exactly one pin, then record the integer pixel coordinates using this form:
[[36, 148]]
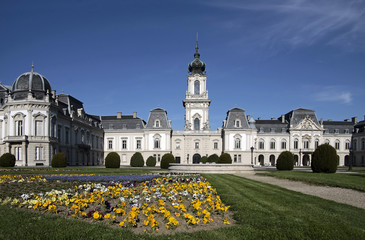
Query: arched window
[[196, 87], [237, 143], [316, 143], [157, 123], [196, 124], [306, 143], [157, 143], [237, 123]]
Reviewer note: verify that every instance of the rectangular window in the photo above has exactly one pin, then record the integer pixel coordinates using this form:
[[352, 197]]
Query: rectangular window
[[215, 145], [295, 144], [239, 158], [38, 128], [306, 144], [66, 136], [283, 145], [337, 145], [38, 153], [316, 144], [19, 128], [261, 145], [110, 144], [272, 145], [196, 145], [124, 144], [59, 135], [347, 145], [138, 144], [177, 145], [158, 157], [235, 158]]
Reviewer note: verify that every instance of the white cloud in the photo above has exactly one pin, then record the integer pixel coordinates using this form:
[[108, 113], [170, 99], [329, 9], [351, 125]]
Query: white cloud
[[303, 22], [333, 94]]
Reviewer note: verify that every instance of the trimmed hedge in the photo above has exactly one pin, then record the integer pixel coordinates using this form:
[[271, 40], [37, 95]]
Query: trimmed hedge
[[225, 158], [213, 158], [59, 160], [285, 161], [137, 160], [112, 160], [151, 161], [7, 160], [324, 159], [166, 160], [204, 159]]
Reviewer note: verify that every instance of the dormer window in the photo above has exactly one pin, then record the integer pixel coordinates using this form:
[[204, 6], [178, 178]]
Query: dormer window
[[157, 123], [337, 131], [237, 123]]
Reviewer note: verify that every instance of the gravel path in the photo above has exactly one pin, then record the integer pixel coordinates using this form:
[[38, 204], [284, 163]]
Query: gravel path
[[341, 195]]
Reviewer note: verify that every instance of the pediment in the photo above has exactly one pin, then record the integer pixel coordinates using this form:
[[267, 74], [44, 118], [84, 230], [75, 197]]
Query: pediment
[[308, 124]]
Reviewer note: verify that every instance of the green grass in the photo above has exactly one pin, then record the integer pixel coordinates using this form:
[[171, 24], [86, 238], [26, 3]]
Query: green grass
[[345, 180], [262, 211]]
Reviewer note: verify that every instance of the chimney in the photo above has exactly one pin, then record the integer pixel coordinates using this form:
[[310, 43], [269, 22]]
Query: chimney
[[321, 121], [259, 118], [53, 92], [273, 118], [119, 114], [248, 117], [134, 114], [282, 118], [354, 120], [347, 120]]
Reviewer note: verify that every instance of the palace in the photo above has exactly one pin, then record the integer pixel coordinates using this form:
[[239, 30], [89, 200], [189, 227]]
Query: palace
[[35, 123]]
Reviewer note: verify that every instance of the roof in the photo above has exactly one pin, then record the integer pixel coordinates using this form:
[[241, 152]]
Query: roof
[[123, 123], [271, 126], [158, 114]]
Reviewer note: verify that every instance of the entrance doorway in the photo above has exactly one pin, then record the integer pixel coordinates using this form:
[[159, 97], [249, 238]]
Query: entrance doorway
[[196, 158], [261, 160], [272, 160], [306, 160]]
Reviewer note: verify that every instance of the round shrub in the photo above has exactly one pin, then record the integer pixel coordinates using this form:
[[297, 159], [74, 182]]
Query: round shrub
[[225, 158], [204, 159], [213, 158], [324, 159], [59, 160], [151, 161], [137, 160], [285, 161], [112, 160], [7, 160], [166, 160]]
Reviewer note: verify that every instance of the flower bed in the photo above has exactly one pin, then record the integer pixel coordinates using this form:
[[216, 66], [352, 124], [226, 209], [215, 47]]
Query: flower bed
[[162, 204]]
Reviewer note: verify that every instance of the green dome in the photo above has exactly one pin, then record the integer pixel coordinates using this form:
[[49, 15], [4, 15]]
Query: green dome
[[197, 65]]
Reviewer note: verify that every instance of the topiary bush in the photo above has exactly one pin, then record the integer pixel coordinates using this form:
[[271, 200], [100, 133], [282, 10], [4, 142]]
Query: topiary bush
[[285, 161], [225, 158], [151, 161], [59, 160], [112, 160], [204, 159], [137, 160], [213, 158], [166, 160], [7, 160], [324, 159]]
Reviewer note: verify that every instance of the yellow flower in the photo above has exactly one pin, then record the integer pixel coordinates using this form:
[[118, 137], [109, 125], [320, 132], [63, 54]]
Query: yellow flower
[[96, 215], [146, 222], [107, 216], [121, 224], [226, 221], [177, 214]]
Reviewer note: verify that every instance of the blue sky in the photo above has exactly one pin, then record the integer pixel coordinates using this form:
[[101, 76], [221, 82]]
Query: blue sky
[[267, 57]]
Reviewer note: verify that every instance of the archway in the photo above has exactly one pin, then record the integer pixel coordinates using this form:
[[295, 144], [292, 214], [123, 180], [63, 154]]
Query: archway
[[306, 160], [347, 160], [261, 160], [296, 160], [272, 160], [196, 158]]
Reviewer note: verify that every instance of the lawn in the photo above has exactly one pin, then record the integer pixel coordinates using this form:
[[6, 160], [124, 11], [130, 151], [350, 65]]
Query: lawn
[[354, 181], [262, 211]]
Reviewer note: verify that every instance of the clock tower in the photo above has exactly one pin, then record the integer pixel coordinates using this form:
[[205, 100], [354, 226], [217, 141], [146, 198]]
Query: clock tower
[[196, 100]]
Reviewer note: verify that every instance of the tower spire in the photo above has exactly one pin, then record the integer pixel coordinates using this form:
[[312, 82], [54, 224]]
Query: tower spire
[[197, 44], [32, 66]]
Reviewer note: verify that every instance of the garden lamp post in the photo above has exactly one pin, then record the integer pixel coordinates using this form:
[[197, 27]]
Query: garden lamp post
[[252, 148]]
